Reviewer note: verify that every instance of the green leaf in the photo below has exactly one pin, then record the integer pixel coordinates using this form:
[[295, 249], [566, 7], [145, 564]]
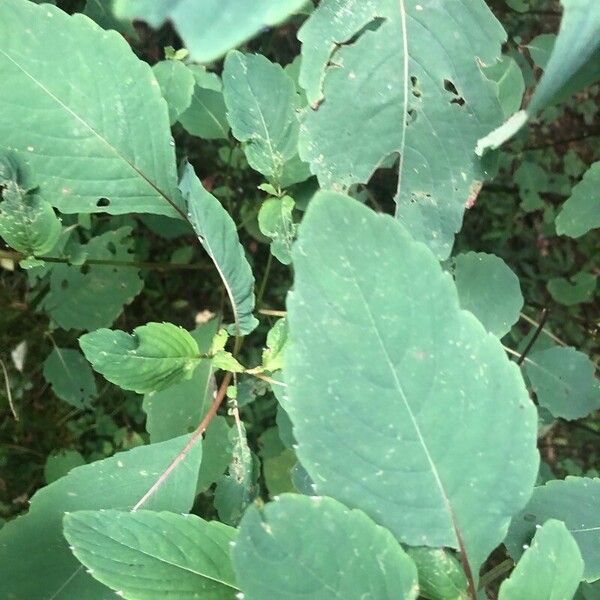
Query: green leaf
[[176, 84], [179, 408], [216, 453], [238, 488], [212, 27], [145, 555], [441, 576], [374, 320], [155, 357], [507, 74], [88, 296], [272, 357], [564, 382], [576, 290], [70, 376], [581, 212], [278, 472], [574, 501], [60, 463], [34, 543], [62, 91], [300, 547], [218, 235], [275, 221], [489, 289], [573, 64], [387, 78], [550, 569], [101, 11], [27, 222], [261, 108], [540, 48]]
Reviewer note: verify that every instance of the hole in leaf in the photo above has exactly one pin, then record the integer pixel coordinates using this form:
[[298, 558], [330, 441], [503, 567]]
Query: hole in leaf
[[414, 83], [64, 284], [84, 269], [103, 202], [450, 87], [412, 116], [111, 247]]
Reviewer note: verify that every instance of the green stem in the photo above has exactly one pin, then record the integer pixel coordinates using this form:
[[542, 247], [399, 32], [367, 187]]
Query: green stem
[[495, 573], [265, 278]]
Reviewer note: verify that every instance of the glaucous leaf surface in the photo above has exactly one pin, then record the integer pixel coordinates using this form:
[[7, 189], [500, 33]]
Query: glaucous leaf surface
[[176, 85], [315, 548], [92, 123], [261, 108], [386, 77], [581, 212], [441, 576], [70, 376], [88, 296], [34, 544], [573, 64], [511, 85], [550, 569], [564, 382], [178, 409], [155, 357], [101, 11], [574, 501], [152, 555], [218, 235], [211, 27], [489, 289], [577, 289], [375, 322]]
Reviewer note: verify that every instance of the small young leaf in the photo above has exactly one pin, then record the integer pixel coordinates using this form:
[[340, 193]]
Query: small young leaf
[[155, 357], [84, 296], [145, 555], [564, 382], [489, 289], [317, 548], [236, 490], [62, 91], [211, 27], [441, 576], [550, 569], [176, 84], [70, 376], [218, 235], [581, 212], [275, 221], [375, 321], [272, 357], [574, 501], [27, 222], [576, 290], [34, 543]]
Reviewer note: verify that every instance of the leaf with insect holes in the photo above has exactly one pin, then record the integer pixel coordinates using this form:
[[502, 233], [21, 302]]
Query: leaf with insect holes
[[317, 549], [489, 289], [581, 212], [373, 319], [155, 357], [261, 108], [218, 235], [564, 381], [574, 501], [176, 84], [117, 483], [142, 554], [386, 77], [70, 376], [550, 569], [88, 296], [92, 123], [211, 27], [573, 64]]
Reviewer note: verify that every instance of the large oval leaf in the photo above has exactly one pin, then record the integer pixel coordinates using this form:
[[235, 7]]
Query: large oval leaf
[[393, 389], [92, 123], [317, 549], [402, 77]]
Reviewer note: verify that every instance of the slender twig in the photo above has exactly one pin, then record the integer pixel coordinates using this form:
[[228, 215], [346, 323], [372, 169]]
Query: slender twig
[[534, 337], [266, 378], [8, 392], [495, 573], [471, 588], [272, 313], [544, 329], [263, 285], [195, 437], [12, 255]]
